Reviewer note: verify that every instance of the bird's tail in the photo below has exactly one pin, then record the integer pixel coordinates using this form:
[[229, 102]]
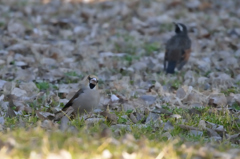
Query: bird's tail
[[171, 66]]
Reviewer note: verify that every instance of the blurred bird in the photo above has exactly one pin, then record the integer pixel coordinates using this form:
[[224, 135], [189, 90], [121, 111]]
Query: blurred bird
[[87, 98], [178, 49]]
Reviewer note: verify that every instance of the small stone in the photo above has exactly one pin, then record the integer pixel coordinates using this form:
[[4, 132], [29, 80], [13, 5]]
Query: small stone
[[195, 133], [148, 99], [92, 121], [19, 92], [181, 93], [168, 126], [106, 154], [133, 118], [152, 117]]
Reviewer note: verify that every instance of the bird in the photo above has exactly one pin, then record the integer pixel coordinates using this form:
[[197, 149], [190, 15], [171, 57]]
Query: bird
[[178, 49], [87, 97]]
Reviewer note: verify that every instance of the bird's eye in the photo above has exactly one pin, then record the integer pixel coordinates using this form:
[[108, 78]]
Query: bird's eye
[[89, 78]]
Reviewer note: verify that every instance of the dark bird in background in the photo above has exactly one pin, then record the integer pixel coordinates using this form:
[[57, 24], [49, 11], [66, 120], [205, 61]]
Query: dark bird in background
[[178, 49]]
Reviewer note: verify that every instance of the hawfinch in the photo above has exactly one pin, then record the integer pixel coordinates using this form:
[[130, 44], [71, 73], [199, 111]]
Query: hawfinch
[[87, 98]]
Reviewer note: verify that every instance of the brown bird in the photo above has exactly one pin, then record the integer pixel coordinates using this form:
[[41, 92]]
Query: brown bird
[[178, 49], [87, 98]]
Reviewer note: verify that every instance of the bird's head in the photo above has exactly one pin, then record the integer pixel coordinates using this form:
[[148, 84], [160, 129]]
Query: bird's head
[[180, 28], [92, 82]]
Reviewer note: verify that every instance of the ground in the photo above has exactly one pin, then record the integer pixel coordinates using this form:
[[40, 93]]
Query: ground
[[48, 47]]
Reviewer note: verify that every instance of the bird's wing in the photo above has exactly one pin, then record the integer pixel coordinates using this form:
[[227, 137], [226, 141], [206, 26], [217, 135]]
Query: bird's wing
[[171, 55], [70, 102], [184, 58], [165, 60], [185, 53], [177, 53]]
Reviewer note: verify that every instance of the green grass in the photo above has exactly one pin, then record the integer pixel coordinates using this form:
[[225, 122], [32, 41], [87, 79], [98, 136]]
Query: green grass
[[235, 90], [176, 84], [150, 48], [166, 27], [129, 45], [236, 106], [130, 58], [87, 140], [72, 77], [43, 85], [80, 145], [72, 73]]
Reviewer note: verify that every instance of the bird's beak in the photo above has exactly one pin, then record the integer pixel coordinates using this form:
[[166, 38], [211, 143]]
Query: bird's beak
[[93, 81]]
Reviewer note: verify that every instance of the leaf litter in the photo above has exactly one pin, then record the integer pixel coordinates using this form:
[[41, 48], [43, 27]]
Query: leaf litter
[[45, 56]]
